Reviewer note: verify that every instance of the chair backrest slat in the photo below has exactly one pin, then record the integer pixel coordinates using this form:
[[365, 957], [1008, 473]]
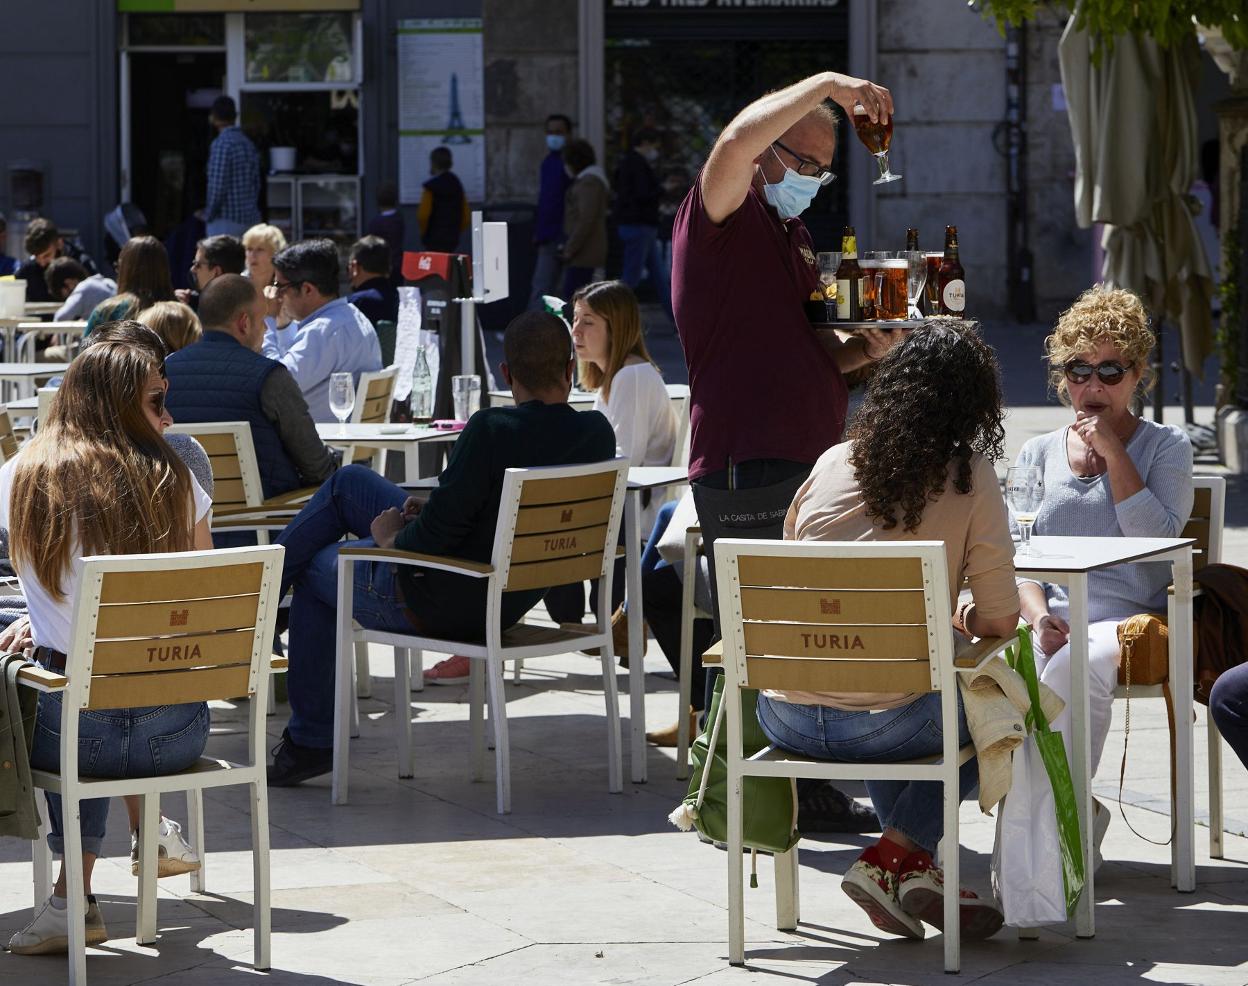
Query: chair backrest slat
[[373, 405], [232, 455], [836, 617], [563, 516], [8, 441], [559, 530], [168, 628]]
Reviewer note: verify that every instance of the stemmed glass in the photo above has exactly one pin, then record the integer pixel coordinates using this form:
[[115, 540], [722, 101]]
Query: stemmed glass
[[341, 399], [876, 137], [916, 277], [1024, 490]]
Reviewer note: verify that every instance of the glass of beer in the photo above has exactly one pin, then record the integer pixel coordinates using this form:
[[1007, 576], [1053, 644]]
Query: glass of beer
[[875, 137], [890, 298]]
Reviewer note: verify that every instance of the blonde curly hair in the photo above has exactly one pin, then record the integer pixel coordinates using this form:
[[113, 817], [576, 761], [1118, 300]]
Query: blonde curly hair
[[1101, 314]]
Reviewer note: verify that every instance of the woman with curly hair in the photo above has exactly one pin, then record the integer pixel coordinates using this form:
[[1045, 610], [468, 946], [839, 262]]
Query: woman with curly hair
[[916, 466], [1107, 474]]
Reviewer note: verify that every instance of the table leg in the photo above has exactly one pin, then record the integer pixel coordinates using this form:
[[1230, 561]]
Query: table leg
[[1081, 746], [1181, 676], [411, 462], [636, 636]]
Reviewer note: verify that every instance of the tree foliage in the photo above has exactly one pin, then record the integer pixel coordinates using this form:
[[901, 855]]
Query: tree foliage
[[1165, 21]]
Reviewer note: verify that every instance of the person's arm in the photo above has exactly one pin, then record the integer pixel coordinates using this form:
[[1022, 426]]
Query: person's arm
[[424, 211], [456, 506], [72, 306], [282, 403], [202, 536], [1162, 508], [465, 214], [310, 358], [862, 349], [989, 563], [216, 180], [730, 168], [628, 417], [577, 220]]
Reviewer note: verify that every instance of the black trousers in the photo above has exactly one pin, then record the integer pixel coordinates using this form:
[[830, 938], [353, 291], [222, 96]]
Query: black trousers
[[663, 594], [746, 500]]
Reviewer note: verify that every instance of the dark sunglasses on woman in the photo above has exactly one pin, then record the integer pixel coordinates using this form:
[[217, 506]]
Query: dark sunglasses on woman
[[1110, 372]]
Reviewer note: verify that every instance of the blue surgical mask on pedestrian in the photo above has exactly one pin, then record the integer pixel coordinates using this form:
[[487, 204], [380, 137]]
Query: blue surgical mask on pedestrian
[[792, 194], [555, 142]]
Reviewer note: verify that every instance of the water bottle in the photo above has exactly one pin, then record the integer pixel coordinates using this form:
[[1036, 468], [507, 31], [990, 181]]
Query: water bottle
[[422, 388]]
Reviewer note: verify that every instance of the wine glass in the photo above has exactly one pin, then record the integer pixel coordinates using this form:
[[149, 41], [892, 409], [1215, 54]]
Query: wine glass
[[876, 137], [916, 277], [1024, 490], [341, 399], [931, 286]]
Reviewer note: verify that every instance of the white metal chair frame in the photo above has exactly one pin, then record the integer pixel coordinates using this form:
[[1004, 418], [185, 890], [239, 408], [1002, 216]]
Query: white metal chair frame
[[689, 611], [374, 403], [766, 654], [497, 646], [1212, 544], [263, 566]]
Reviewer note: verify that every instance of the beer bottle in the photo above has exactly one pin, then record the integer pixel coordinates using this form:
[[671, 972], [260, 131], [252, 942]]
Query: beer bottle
[[849, 280], [952, 280], [912, 238]]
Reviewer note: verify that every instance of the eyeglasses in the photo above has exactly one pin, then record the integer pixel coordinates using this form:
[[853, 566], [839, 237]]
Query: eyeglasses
[[196, 264], [807, 168], [285, 287], [1110, 373]]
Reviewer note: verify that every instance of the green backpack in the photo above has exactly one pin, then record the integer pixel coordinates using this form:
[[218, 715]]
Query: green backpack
[[769, 803]]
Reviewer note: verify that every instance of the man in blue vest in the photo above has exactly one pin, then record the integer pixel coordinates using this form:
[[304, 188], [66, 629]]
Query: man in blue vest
[[223, 377]]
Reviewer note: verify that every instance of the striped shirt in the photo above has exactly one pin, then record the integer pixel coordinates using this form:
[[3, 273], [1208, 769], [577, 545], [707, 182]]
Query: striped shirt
[[233, 178]]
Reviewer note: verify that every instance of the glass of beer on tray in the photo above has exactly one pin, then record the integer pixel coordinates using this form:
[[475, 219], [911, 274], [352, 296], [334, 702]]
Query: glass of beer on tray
[[890, 294], [876, 137]]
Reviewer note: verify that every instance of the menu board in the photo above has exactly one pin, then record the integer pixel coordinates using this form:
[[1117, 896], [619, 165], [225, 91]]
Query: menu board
[[441, 102]]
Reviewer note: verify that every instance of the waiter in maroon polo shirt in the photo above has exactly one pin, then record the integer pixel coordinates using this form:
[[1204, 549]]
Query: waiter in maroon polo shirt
[[767, 393]]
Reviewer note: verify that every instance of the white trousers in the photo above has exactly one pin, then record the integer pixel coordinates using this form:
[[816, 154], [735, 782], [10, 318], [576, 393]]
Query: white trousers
[[1103, 659]]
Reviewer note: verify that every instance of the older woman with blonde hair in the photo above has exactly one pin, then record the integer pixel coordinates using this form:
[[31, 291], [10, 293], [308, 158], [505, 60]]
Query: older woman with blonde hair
[[1109, 473], [262, 243]]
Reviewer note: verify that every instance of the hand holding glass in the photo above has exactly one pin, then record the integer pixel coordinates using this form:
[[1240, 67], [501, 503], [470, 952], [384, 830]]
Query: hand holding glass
[[1024, 490], [341, 398], [875, 137]]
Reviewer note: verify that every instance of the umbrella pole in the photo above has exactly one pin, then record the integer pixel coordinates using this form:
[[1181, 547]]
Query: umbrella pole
[[1159, 379]]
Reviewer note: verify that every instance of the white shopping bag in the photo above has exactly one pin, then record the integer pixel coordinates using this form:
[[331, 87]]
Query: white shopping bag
[[1027, 859]]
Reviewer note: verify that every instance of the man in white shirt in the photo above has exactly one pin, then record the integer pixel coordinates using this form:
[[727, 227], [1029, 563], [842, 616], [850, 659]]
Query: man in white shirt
[[69, 282], [332, 335]]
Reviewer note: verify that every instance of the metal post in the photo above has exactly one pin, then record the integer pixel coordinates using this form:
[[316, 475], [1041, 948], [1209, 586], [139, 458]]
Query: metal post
[[1241, 388], [1159, 375], [467, 335]]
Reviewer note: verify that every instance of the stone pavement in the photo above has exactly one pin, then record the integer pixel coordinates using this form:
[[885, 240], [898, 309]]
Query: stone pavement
[[420, 881]]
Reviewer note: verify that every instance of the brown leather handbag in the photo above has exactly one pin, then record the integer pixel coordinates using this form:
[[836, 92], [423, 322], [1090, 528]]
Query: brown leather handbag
[[1144, 639]]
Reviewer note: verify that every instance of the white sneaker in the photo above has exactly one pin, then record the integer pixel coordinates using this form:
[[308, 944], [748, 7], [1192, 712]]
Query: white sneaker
[[49, 931], [173, 854]]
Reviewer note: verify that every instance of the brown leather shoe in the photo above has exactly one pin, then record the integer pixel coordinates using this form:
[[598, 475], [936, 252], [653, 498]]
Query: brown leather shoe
[[619, 635], [668, 736]]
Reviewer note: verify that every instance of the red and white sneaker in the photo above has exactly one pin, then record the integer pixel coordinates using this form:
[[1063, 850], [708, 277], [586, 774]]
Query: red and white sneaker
[[874, 888], [921, 894], [452, 671]]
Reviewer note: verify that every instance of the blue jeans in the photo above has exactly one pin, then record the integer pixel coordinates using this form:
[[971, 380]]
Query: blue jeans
[[141, 742], [346, 504], [227, 227], [1228, 704], [913, 808], [641, 252]]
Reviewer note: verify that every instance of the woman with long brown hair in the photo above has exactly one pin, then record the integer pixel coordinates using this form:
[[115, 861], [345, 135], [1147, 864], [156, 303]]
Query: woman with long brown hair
[[142, 280], [98, 478]]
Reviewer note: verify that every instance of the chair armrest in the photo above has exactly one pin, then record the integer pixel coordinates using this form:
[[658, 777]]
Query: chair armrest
[[41, 679], [1196, 590], [713, 655], [302, 495], [460, 566], [982, 651], [278, 663]]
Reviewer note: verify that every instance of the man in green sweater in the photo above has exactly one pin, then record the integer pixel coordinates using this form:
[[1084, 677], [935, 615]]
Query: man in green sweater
[[457, 520]]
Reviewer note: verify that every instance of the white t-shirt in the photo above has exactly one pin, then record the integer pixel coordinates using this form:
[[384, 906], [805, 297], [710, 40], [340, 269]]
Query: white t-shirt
[[640, 411], [51, 620]]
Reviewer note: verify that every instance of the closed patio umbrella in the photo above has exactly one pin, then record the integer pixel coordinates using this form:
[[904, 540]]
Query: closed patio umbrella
[[1133, 120]]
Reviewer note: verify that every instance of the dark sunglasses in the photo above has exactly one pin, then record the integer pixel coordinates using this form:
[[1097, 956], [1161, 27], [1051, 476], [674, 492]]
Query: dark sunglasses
[[1110, 372], [158, 402]]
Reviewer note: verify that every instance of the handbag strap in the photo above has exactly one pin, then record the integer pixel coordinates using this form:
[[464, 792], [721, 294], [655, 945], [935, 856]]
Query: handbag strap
[[1126, 737], [710, 750]]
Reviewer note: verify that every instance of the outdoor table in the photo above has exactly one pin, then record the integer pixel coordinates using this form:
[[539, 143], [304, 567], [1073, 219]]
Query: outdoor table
[[391, 437], [37, 308], [23, 376], [23, 406], [1067, 561], [640, 478], [74, 330], [580, 399]]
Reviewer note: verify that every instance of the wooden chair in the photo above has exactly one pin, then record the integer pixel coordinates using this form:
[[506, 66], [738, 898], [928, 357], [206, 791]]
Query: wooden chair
[[838, 617], [1205, 525], [238, 502], [373, 402], [556, 524], [154, 630], [8, 440]]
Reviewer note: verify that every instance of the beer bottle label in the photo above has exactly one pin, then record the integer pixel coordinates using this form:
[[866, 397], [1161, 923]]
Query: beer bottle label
[[843, 313], [954, 296]]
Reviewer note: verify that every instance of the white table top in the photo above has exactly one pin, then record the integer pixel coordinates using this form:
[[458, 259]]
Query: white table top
[[76, 325], [23, 370], [23, 405], [652, 477], [1086, 554], [42, 307], [376, 434]]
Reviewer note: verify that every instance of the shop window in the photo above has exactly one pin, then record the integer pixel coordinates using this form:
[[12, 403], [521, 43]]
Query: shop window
[[299, 48], [323, 126], [181, 30]]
